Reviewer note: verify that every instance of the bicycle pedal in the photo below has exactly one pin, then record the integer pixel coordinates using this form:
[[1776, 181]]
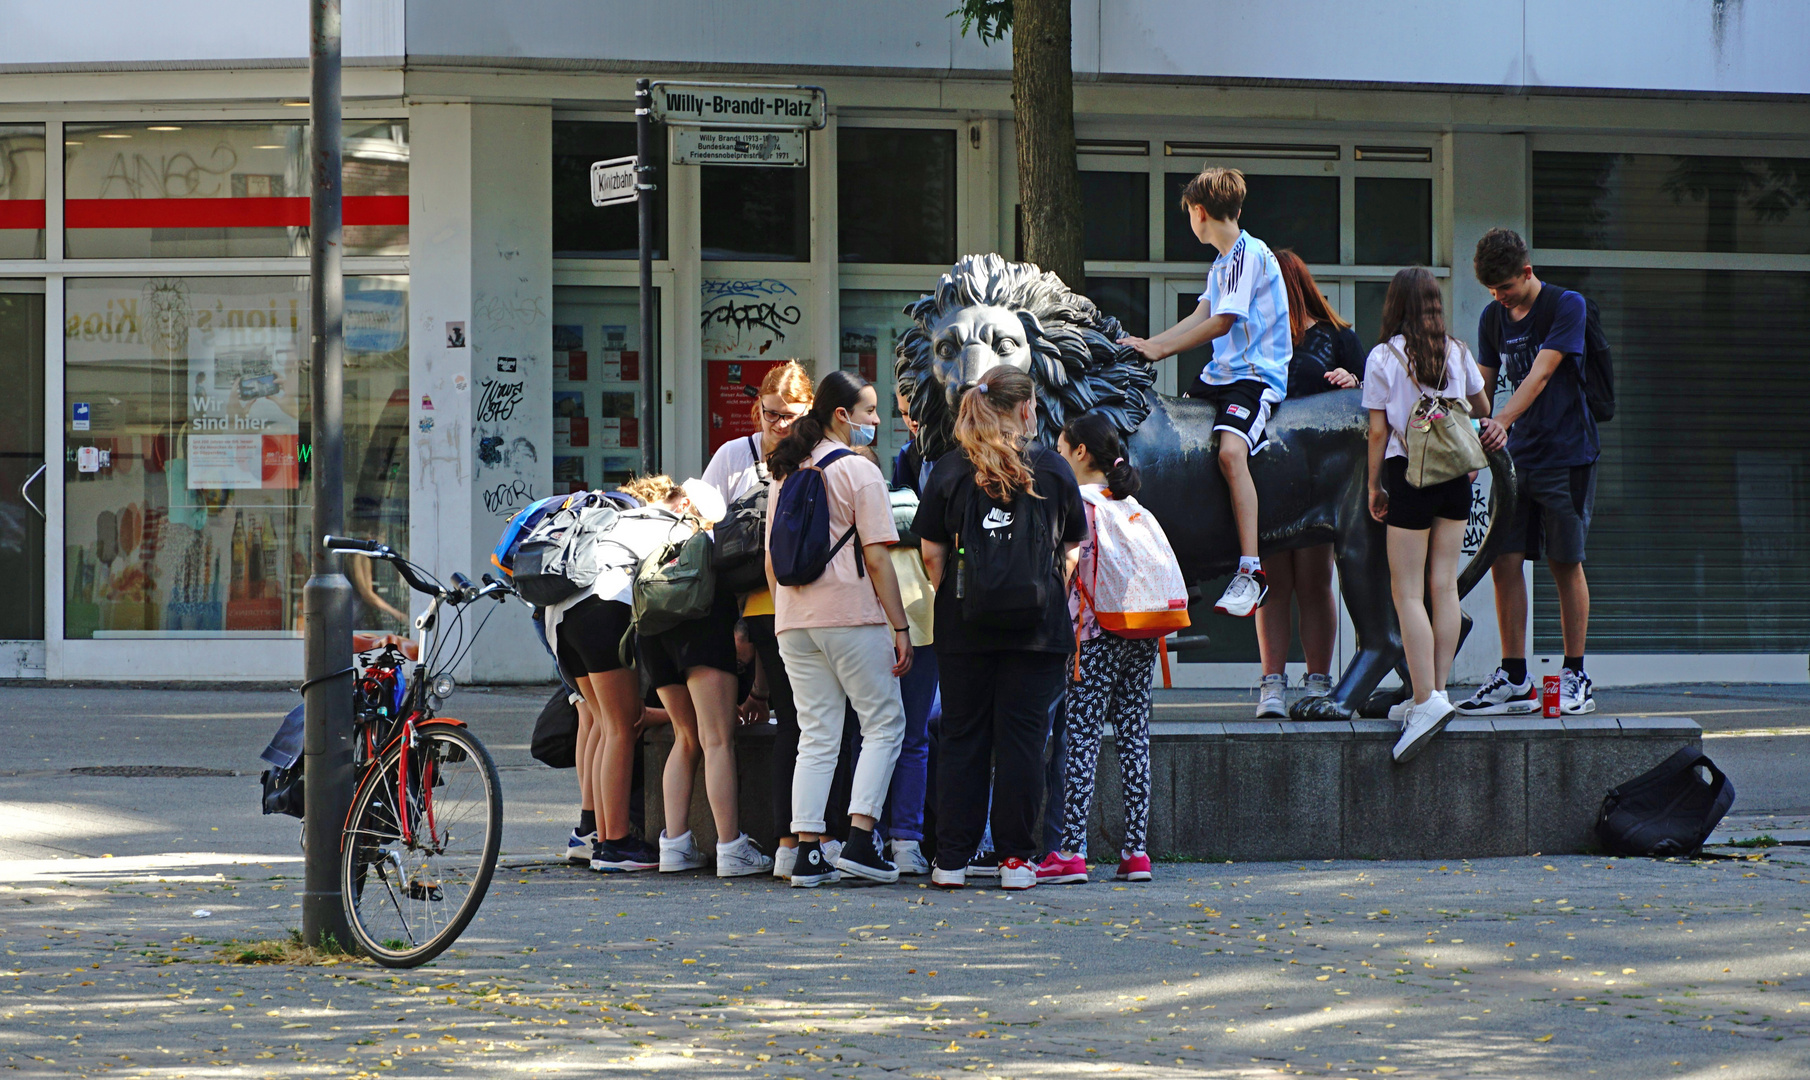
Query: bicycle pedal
[[421, 890]]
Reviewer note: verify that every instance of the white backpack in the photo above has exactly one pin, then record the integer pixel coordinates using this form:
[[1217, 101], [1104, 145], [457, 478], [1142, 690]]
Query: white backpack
[[1135, 589]]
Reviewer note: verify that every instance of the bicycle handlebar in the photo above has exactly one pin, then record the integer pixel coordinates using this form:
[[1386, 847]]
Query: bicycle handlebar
[[462, 592], [351, 544]]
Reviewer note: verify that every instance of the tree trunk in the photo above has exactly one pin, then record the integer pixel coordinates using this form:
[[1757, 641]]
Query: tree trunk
[[1043, 98]]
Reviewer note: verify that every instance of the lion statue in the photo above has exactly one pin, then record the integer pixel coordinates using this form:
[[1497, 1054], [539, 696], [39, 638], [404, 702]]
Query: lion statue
[[1311, 476]]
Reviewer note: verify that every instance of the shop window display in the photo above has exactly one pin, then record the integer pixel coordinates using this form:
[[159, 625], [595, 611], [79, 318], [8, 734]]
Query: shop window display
[[206, 190], [186, 419], [597, 359], [21, 191]]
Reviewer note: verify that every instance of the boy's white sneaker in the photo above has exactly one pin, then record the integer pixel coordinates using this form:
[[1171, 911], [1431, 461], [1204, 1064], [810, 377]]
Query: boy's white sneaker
[[1016, 874], [1424, 721], [949, 879], [1244, 593], [784, 859], [679, 854], [740, 858], [909, 858], [1500, 696], [1272, 698], [1575, 698]]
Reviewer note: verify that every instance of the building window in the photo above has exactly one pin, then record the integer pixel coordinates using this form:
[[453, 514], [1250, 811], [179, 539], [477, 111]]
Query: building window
[[895, 194], [1666, 202], [1708, 425], [872, 322], [1125, 299], [206, 190], [755, 213], [21, 457], [1299, 212], [186, 422], [597, 408], [1116, 209], [1394, 221], [583, 231], [21, 191]]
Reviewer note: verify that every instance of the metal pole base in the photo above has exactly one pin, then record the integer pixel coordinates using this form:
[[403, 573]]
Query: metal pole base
[[327, 754]]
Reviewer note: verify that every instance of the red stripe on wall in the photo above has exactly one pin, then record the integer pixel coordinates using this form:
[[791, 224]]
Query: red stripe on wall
[[21, 213], [223, 213]]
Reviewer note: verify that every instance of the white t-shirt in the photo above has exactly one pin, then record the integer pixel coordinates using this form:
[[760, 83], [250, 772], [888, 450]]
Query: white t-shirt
[[1388, 386], [735, 468], [1246, 283]]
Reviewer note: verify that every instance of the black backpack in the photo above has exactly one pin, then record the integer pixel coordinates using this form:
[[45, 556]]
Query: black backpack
[[1005, 569], [1669, 810], [1599, 361], [740, 555], [555, 741]]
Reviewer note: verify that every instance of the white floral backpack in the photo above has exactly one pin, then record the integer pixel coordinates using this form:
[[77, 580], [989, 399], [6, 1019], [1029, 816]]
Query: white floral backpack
[[1135, 589]]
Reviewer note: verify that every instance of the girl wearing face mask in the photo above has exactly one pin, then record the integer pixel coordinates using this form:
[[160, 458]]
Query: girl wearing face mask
[[998, 684], [843, 637]]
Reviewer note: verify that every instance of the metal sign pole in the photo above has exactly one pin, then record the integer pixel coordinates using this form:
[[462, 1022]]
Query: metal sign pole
[[644, 210], [327, 597]]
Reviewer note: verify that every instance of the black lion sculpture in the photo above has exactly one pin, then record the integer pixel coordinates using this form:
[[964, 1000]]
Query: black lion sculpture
[[1311, 476]]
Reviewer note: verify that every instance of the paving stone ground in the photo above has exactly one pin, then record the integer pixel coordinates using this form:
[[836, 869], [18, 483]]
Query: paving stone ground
[[1540, 967]]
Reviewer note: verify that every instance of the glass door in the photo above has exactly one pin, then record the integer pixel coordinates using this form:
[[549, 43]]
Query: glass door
[[22, 475]]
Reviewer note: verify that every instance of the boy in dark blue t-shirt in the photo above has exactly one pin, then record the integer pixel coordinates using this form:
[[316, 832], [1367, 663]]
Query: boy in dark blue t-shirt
[[1536, 332]]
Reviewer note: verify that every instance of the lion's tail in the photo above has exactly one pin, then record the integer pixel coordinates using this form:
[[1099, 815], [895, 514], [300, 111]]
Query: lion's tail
[[1501, 511]]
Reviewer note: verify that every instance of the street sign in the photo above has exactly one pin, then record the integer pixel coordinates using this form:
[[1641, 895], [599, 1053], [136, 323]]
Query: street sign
[[740, 105], [613, 181], [693, 147]]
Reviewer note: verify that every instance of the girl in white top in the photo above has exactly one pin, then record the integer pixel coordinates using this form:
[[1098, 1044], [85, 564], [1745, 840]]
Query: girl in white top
[[1425, 525]]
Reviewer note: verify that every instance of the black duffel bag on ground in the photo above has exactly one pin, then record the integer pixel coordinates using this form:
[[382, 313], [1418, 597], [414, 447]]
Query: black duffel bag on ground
[[555, 741], [1669, 810]]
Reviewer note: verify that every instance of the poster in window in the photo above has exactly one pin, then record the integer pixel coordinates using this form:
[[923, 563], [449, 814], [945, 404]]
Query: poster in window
[[242, 425], [731, 390], [571, 427], [618, 425]]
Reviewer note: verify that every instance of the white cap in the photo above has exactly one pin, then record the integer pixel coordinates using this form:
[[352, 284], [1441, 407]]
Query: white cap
[[706, 500]]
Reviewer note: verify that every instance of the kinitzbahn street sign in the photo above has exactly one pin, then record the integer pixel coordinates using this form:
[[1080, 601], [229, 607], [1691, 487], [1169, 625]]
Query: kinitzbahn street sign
[[613, 181], [740, 105]]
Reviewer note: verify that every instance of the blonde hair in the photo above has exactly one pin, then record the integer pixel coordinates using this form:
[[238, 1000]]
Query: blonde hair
[[790, 381], [1001, 468], [651, 490]]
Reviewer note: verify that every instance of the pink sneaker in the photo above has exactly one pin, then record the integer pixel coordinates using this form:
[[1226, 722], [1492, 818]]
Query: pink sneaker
[[1055, 870], [1134, 868]]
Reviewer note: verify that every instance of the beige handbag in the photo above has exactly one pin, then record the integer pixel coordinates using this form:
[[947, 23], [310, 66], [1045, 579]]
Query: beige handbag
[[1442, 444]]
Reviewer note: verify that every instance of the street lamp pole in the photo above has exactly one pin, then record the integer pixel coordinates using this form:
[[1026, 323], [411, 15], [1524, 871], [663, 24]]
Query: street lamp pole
[[644, 211], [327, 597]]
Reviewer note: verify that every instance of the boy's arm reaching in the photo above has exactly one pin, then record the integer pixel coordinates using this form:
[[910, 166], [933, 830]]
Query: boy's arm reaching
[[1191, 333]]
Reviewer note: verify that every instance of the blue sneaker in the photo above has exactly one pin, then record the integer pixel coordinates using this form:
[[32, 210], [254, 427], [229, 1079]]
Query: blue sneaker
[[578, 848]]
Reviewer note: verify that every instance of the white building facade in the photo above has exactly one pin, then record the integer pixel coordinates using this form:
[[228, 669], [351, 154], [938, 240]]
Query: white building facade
[[153, 274]]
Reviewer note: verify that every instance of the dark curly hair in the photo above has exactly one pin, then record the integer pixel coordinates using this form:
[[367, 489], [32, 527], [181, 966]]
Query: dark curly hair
[[1501, 253]]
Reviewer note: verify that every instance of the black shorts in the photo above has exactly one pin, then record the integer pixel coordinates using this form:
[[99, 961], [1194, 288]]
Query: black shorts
[[590, 636], [1241, 407], [1553, 508], [707, 642], [1415, 508]]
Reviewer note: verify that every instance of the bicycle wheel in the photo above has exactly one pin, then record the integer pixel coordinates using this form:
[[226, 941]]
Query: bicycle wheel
[[415, 868]]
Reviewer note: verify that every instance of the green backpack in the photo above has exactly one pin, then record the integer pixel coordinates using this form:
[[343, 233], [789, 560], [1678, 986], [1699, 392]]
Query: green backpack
[[675, 584]]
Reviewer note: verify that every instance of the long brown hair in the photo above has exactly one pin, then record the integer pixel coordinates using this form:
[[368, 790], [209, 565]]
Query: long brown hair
[[1304, 299], [1415, 309], [985, 430], [838, 390]]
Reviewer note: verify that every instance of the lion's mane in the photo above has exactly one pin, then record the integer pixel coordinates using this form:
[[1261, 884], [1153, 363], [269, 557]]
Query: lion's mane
[[1077, 363]]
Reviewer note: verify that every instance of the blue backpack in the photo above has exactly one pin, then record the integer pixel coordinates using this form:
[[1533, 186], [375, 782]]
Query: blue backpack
[[800, 544]]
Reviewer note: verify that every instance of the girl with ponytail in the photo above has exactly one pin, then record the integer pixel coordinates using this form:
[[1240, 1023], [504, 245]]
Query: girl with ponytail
[[998, 683], [1112, 675]]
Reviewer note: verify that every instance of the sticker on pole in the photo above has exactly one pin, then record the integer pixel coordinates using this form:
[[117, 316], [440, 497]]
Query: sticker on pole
[[740, 105], [613, 181], [770, 148]]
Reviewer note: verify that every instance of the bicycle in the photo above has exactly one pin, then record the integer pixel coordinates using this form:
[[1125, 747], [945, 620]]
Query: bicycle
[[421, 840]]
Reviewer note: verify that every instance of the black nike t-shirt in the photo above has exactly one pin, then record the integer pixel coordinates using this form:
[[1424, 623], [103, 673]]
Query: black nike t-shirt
[[941, 509], [1323, 349]]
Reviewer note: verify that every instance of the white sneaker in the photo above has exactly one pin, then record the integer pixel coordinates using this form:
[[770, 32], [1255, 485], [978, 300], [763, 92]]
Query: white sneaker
[[679, 854], [1575, 698], [1243, 594], [578, 848], [784, 860], [1424, 721], [1498, 696], [832, 850], [1272, 698], [1016, 874], [741, 858], [908, 858], [950, 879], [1316, 685], [1398, 712]]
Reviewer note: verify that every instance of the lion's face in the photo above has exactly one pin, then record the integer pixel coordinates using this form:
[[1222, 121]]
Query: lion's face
[[970, 341]]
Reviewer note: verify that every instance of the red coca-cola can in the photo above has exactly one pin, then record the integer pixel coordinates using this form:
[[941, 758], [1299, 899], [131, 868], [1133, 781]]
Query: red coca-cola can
[[1549, 696]]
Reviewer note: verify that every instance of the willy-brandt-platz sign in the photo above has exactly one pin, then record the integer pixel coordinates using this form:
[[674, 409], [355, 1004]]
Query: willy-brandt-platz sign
[[740, 105]]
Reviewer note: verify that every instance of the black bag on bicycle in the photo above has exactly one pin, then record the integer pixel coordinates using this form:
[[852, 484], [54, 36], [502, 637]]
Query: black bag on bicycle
[[283, 781], [1668, 810], [555, 742]]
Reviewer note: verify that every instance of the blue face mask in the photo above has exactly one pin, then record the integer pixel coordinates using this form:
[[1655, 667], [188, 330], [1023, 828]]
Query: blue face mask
[[862, 434]]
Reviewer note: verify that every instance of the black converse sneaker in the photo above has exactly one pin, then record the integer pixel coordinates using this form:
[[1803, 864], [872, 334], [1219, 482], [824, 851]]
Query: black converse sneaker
[[1500, 697], [812, 869], [860, 858]]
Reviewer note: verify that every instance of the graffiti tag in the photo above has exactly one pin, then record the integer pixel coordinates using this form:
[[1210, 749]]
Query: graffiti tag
[[497, 399]]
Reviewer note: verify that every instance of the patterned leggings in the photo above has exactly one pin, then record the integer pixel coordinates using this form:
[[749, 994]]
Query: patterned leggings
[[1115, 681]]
